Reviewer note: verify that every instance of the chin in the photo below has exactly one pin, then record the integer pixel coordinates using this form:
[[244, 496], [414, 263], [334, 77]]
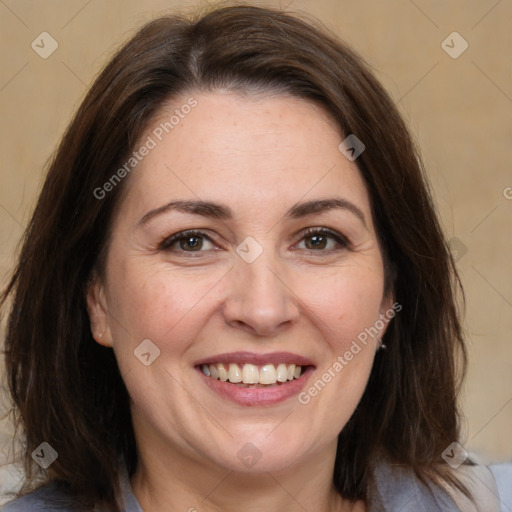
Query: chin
[[262, 452]]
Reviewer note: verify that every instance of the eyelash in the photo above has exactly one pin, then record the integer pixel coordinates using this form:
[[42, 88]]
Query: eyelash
[[343, 243]]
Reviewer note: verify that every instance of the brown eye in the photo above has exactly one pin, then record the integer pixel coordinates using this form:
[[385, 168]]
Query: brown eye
[[193, 242], [323, 240], [186, 241], [316, 242]]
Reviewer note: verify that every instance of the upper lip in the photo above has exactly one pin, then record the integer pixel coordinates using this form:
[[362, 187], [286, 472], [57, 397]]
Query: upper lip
[[256, 359]]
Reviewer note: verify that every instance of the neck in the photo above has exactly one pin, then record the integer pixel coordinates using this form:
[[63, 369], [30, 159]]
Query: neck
[[199, 486]]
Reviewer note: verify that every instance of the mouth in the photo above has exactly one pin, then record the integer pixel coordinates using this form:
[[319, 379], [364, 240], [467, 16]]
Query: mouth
[[253, 376], [255, 379]]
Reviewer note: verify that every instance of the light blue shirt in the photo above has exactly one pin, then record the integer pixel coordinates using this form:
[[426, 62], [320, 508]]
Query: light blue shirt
[[394, 489], [503, 475]]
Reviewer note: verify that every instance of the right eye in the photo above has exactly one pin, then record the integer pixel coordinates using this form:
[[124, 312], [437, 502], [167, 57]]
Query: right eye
[[188, 241]]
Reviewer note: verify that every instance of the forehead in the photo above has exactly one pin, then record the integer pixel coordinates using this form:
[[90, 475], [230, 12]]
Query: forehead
[[247, 151]]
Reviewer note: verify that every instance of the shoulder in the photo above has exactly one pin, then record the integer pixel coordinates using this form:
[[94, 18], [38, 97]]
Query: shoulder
[[396, 487], [46, 498], [503, 475], [55, 497], [480, 481]]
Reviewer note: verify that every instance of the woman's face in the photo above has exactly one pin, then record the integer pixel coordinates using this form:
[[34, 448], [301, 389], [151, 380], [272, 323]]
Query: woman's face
[[258, 289]]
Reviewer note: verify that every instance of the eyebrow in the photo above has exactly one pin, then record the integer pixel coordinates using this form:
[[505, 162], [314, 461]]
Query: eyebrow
[[223, 212]]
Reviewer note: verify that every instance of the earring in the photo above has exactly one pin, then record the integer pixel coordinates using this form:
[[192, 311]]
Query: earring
[[380, 344], [99, 335]]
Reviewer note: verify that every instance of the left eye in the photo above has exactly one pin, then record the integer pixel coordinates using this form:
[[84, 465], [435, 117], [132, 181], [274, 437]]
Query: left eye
[[318, 240]]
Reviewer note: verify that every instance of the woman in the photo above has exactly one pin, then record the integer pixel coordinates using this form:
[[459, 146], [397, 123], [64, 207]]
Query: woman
[[234, 290]]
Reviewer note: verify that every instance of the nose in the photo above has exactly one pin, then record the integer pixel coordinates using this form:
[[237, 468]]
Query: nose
[[260, 301]]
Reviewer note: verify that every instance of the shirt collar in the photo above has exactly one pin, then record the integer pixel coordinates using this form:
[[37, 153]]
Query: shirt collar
[[393, 488]]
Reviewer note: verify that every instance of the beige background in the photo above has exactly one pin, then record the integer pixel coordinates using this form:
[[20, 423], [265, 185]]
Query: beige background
[[460, 111]]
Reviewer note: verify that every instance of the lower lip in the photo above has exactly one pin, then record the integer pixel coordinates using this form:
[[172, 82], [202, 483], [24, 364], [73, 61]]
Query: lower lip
[[257, 396]]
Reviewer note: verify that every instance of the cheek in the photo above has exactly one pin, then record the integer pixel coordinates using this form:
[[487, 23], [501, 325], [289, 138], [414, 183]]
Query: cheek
[[346, 303], [344, 307], [146, 302]]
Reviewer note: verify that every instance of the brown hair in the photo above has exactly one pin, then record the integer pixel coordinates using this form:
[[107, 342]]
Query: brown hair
[[67, 389]]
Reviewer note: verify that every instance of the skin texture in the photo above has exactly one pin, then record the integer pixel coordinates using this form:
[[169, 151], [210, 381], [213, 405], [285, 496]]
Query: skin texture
[[259, 156]]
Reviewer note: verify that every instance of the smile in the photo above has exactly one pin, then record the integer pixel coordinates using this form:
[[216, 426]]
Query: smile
[[247, 378], [251, 375]]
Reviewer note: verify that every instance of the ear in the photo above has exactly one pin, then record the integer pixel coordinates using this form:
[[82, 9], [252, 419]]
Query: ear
[[388, 310], [97, 308], [388, 300]]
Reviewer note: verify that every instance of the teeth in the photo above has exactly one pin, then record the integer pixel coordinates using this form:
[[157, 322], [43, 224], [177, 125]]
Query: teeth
[[267, 374], [252, 374], [234, 374], [223, 373], [282, 373]]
